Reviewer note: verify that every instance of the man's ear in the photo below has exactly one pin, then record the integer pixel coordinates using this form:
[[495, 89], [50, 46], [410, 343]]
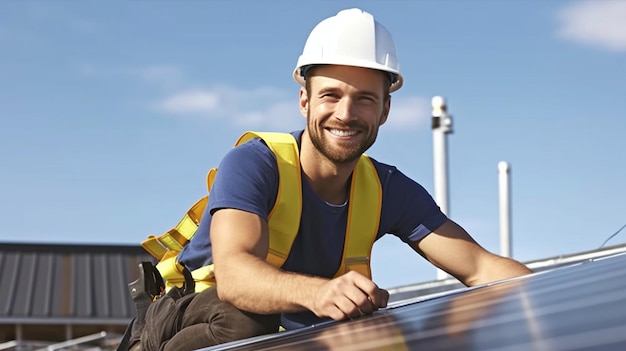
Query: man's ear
[[304, 102], [386, 109]]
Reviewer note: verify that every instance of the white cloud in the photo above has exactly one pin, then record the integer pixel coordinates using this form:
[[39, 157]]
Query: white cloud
[[600, 23], [281, 114], [408, 113], [269, 108], [191, 102], [256, 108]]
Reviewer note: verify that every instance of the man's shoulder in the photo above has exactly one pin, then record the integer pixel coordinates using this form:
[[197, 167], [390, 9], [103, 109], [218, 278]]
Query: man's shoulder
[[260, 144], [252, 156], [383, 169], [394, 180]]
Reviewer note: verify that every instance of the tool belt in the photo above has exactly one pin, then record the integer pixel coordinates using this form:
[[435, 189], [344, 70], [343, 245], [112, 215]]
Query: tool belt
[[159, 314]]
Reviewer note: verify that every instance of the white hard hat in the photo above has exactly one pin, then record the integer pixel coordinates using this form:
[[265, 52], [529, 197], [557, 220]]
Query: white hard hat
[[351, 38]]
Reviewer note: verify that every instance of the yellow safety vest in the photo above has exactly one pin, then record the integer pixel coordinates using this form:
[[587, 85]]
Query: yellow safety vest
[[284, 220]]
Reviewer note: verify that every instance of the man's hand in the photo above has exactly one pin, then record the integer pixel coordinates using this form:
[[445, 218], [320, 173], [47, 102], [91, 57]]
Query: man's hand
[[348, 296]]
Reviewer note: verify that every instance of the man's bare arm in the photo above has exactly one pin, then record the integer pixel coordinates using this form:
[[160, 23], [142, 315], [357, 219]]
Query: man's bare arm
[[453, 250], [240, 242]]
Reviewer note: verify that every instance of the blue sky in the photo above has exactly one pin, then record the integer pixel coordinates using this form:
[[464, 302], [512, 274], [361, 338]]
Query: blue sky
[[112, 113]]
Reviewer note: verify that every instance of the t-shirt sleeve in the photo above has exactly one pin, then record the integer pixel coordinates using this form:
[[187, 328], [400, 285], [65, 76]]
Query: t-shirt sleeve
[[246, 179], [410, 211]]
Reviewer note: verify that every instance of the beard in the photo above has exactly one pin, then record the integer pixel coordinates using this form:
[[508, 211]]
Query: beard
[[349, 151]]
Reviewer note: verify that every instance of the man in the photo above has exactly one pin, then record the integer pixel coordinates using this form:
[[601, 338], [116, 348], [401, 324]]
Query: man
[[347, 70]]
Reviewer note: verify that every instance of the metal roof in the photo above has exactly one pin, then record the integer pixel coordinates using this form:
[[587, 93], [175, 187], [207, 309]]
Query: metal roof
[[581, 306], [67, 283]]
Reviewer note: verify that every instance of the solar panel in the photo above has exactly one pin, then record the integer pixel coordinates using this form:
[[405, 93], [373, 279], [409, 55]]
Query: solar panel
[[578, 307]]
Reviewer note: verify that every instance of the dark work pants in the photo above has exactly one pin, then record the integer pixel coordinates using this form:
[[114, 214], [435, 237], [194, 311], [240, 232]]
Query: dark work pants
[[209, 321]]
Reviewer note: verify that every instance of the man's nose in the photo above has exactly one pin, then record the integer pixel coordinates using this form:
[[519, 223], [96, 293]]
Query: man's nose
[[345, 110]]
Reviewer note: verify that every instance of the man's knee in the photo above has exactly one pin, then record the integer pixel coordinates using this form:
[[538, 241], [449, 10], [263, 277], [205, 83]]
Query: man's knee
[[225, 321]]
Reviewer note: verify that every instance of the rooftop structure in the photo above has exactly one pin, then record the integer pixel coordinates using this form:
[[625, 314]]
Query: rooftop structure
[[75, 296]]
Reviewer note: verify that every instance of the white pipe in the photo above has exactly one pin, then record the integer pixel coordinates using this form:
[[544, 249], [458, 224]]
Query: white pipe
[[440, 168], [441, 125], [505, 208]]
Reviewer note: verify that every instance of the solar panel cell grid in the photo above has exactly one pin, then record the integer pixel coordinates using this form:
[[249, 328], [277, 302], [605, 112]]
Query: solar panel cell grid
[[579, 307]]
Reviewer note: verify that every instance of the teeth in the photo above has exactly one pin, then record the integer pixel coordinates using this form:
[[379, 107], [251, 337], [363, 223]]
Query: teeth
[[342, 133]]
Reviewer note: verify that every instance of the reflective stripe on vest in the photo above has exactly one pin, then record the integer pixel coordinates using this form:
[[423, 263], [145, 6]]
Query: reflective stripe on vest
[[284, 219]]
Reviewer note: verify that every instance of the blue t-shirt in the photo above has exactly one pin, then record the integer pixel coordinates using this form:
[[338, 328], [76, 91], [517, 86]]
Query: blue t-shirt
[[247, 179]]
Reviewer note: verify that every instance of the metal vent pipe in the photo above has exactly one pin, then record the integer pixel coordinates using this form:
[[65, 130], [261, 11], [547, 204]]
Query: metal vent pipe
[[504, 186], [442, 126]]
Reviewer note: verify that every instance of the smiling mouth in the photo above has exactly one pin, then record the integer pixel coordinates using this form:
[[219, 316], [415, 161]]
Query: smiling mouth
[[343, 133]]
